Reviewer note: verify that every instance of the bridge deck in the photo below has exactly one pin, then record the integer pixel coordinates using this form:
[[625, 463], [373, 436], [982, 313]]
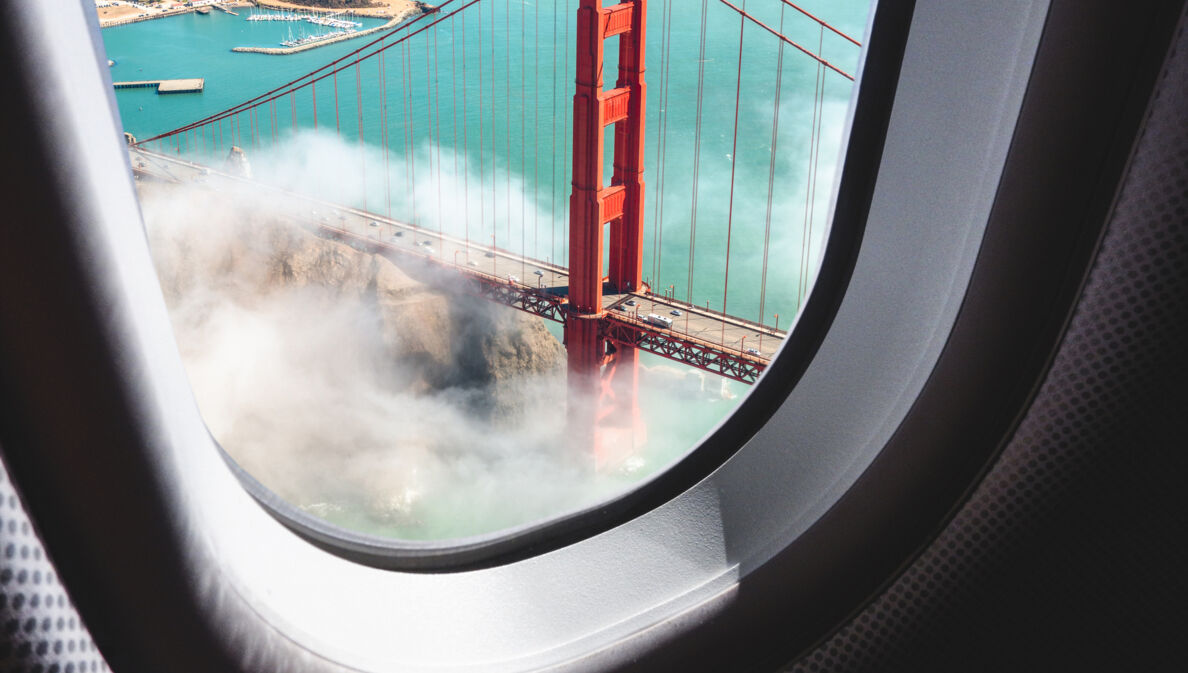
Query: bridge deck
[[725, 344]]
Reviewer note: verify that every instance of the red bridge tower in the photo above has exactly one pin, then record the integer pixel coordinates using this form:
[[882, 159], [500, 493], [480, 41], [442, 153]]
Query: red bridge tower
[[602, 405]]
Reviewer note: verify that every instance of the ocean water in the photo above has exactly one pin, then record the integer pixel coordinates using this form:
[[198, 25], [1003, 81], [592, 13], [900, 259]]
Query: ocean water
[[466, 128], [497, 80]]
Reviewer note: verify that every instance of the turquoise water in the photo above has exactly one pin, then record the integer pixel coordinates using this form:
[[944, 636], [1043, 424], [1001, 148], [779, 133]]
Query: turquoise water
[[470, 133], [516, 86]]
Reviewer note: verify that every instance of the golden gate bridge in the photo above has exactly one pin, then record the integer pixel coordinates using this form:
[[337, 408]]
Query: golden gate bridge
[[609, 309]]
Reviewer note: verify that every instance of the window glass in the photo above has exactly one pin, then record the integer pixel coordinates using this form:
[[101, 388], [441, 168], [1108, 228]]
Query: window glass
[[370, 269]]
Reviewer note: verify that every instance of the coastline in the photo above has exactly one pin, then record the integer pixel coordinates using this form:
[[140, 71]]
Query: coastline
[[397, 10], [125, 20], [388, 9]]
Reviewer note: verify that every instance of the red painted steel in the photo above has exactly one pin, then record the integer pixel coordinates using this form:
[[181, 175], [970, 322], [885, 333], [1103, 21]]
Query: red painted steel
[[626, 256], [615, 105], [618, 19], [613, 199], [620, 426], [605, 402]]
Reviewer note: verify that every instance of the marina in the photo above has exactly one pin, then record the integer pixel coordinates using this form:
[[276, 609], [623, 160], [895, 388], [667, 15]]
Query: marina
[[344, 28], [328, 20]]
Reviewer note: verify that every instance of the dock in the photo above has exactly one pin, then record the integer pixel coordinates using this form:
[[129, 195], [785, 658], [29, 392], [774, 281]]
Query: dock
[[165, 85]]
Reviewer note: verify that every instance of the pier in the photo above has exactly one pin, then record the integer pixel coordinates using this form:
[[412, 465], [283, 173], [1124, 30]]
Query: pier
[[165, 85]]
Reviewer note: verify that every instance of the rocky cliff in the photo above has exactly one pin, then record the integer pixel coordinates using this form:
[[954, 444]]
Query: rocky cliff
[[426, 336]]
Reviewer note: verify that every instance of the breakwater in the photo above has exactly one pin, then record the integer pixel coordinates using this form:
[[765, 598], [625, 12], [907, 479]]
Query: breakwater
[[194, 85]]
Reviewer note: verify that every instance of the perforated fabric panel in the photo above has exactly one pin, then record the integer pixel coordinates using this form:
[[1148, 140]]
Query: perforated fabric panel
[[39, 630], [1070, 554]]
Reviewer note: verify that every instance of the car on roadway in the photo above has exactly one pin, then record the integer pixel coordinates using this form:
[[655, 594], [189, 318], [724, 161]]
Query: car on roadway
[[676, 312], [472, 263], [538, 272], [630, 302], [373, 223], [753, 351], [513, 279]]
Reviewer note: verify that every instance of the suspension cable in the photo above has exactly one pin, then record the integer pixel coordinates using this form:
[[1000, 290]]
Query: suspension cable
[[661, 131], [301, 82], [783, 37], [816, 161], [466, 140], [696, 152], [802, 276], [775, 137], [742, 26], [837, 32], [384, 135]]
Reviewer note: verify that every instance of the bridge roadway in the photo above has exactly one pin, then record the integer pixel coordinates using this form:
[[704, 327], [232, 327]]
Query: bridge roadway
[[733, 347]]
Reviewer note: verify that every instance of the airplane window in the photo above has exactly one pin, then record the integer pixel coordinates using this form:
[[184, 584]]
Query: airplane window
[[752, 528], [371, 266]]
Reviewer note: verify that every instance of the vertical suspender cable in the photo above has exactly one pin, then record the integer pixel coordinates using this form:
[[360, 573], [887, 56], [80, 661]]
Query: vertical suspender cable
[[429, 103], [810, 196], [481, 159], [494, 196], [535, 124], [454, 96], [742, 26], [816, 152], [507, 117], [404, 122], [553, 146], [337, 124], [436, 121], [802, 276], [775, 137], [567, 112], [523, 172], [523, 139], [696, 152], [661, 149], [412, 138], [465, 142], [384, 137], [313, 91], [362, 145]]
